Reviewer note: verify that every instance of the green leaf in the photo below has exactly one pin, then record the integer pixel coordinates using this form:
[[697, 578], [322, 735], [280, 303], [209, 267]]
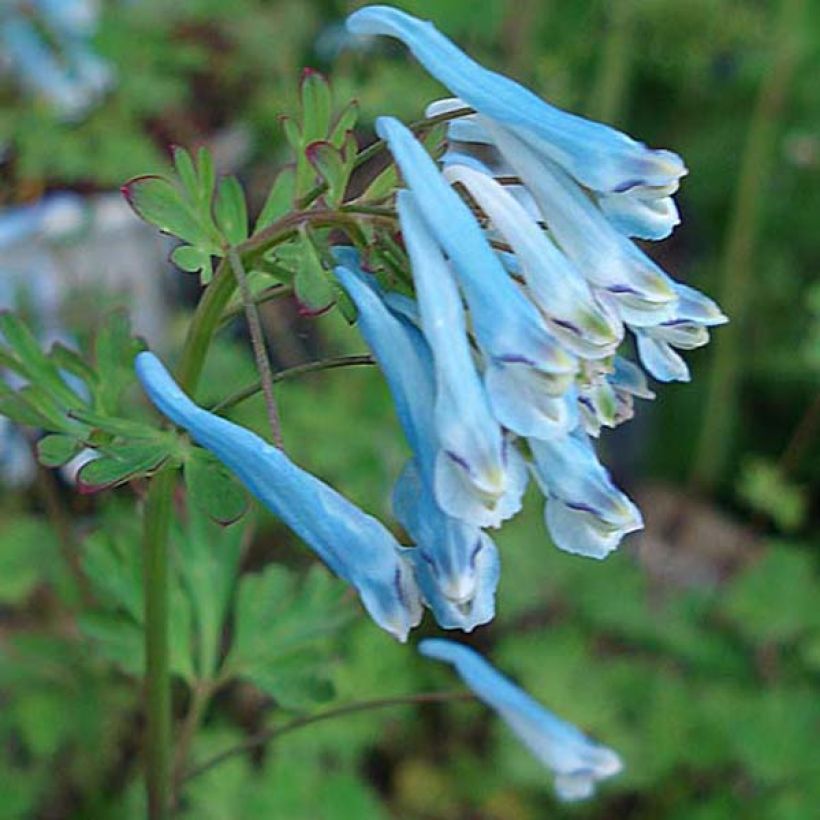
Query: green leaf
[[114, 352], [313, 286], [230, 210], [212, 487], [186, 171], [775, 599], [72, 362], [194, 260], [15, 407], [160, 202], [279, 199], [316, 106], [345, 123], [28, 550], [122, 427], [56, 450], [118, 639], [121, 464], [41, 371], [209, 558], [292, 133], [207, 176], [283, 631], [330, 164]]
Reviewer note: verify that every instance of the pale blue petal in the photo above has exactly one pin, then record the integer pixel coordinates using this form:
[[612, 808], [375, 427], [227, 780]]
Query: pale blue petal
[[600, 157], [456, 565], [467, 432], [638, 217], [353, 544], [526, 403], [507, 325], [644, 294], [403, 358], [695, 306], [629, 377], [459, 496], [577, 762], [556, 285], [660, 359], [586, 513]]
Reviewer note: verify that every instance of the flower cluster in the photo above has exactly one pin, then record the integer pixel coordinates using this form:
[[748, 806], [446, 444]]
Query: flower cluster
[[60, 67], [506, 363]]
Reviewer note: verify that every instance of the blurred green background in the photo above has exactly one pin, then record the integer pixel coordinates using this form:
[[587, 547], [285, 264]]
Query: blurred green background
[[694, 650]]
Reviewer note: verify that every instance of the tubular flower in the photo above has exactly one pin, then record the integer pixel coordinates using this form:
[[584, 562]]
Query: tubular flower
[[556, 286], [585, 513], [524, 361], [478, 478], [353, 544], [456, 564], [688, 329], [598, 156], [577, 761]]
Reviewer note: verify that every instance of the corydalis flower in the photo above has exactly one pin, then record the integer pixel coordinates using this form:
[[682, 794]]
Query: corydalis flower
[[606, 393], [478, 477], [456, 564], [600, 157], [585, 512], [578, 762], [523, 359], [558, 288], [353, 544], [686, 330]]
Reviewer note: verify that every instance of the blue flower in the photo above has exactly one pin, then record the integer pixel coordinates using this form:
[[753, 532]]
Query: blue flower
[[586, 513], [598, 156], [521, 353], [686, 330], [618, 269], [557, 287], [577, 761], [353, 544], [478, 477], [456, 564], [606, 393]]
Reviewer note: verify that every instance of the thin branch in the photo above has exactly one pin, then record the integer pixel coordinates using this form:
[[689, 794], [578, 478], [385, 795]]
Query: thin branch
[[269, 295], [262, 738], [258, 344], [291, 372]]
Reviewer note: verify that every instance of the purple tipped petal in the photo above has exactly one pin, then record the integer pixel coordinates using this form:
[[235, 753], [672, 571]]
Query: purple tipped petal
[[353, 544], [577, 762]]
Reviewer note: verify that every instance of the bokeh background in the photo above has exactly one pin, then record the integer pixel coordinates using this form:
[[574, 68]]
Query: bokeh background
[[694, 650]]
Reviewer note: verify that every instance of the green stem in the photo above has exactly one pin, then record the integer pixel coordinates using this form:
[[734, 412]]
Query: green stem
[[298, 370], [266, 736], [157, 676], [738, 264], [157, 516]]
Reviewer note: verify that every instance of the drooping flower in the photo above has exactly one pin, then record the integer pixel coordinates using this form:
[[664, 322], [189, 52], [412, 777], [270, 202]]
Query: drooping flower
[[686, 330], [521, 354], [478, 477], [575, 317], [353, 544], [456, 564], [578, 762], [601, 158], [586, 513]]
